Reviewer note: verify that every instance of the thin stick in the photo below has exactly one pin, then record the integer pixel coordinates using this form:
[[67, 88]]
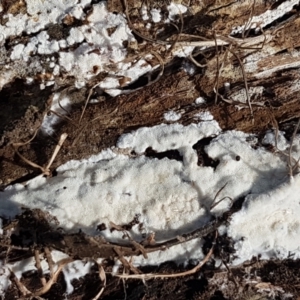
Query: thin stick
[[136, 245], [163, 276], [46, 287], [56, 150]]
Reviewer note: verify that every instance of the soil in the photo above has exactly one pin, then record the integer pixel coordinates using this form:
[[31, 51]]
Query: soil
[[98, 126], [255, 279]]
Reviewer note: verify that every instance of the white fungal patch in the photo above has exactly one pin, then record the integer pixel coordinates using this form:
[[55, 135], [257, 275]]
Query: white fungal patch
[[176, 9], [97, 46], [204, 116], [200, 100], [268, 223], [172, 116], [156, 15]]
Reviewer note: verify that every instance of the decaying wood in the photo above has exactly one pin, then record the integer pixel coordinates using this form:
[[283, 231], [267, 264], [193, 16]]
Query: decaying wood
[[259, 64]]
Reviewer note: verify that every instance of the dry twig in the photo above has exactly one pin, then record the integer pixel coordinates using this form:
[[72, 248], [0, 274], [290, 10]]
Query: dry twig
[[163, 276], [45, 170]]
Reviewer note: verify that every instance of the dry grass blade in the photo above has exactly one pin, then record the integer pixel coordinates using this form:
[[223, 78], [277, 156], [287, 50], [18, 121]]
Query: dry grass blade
[[219, 68], [193, 60], [162, 64], [102, 277], [163, 276], [59, 104], [23, 144], [87, 100], [16, 147], [214, 204], [245, 82], [226, 41], [218, 202], [34, 165], [179, 31], [248, 24]]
